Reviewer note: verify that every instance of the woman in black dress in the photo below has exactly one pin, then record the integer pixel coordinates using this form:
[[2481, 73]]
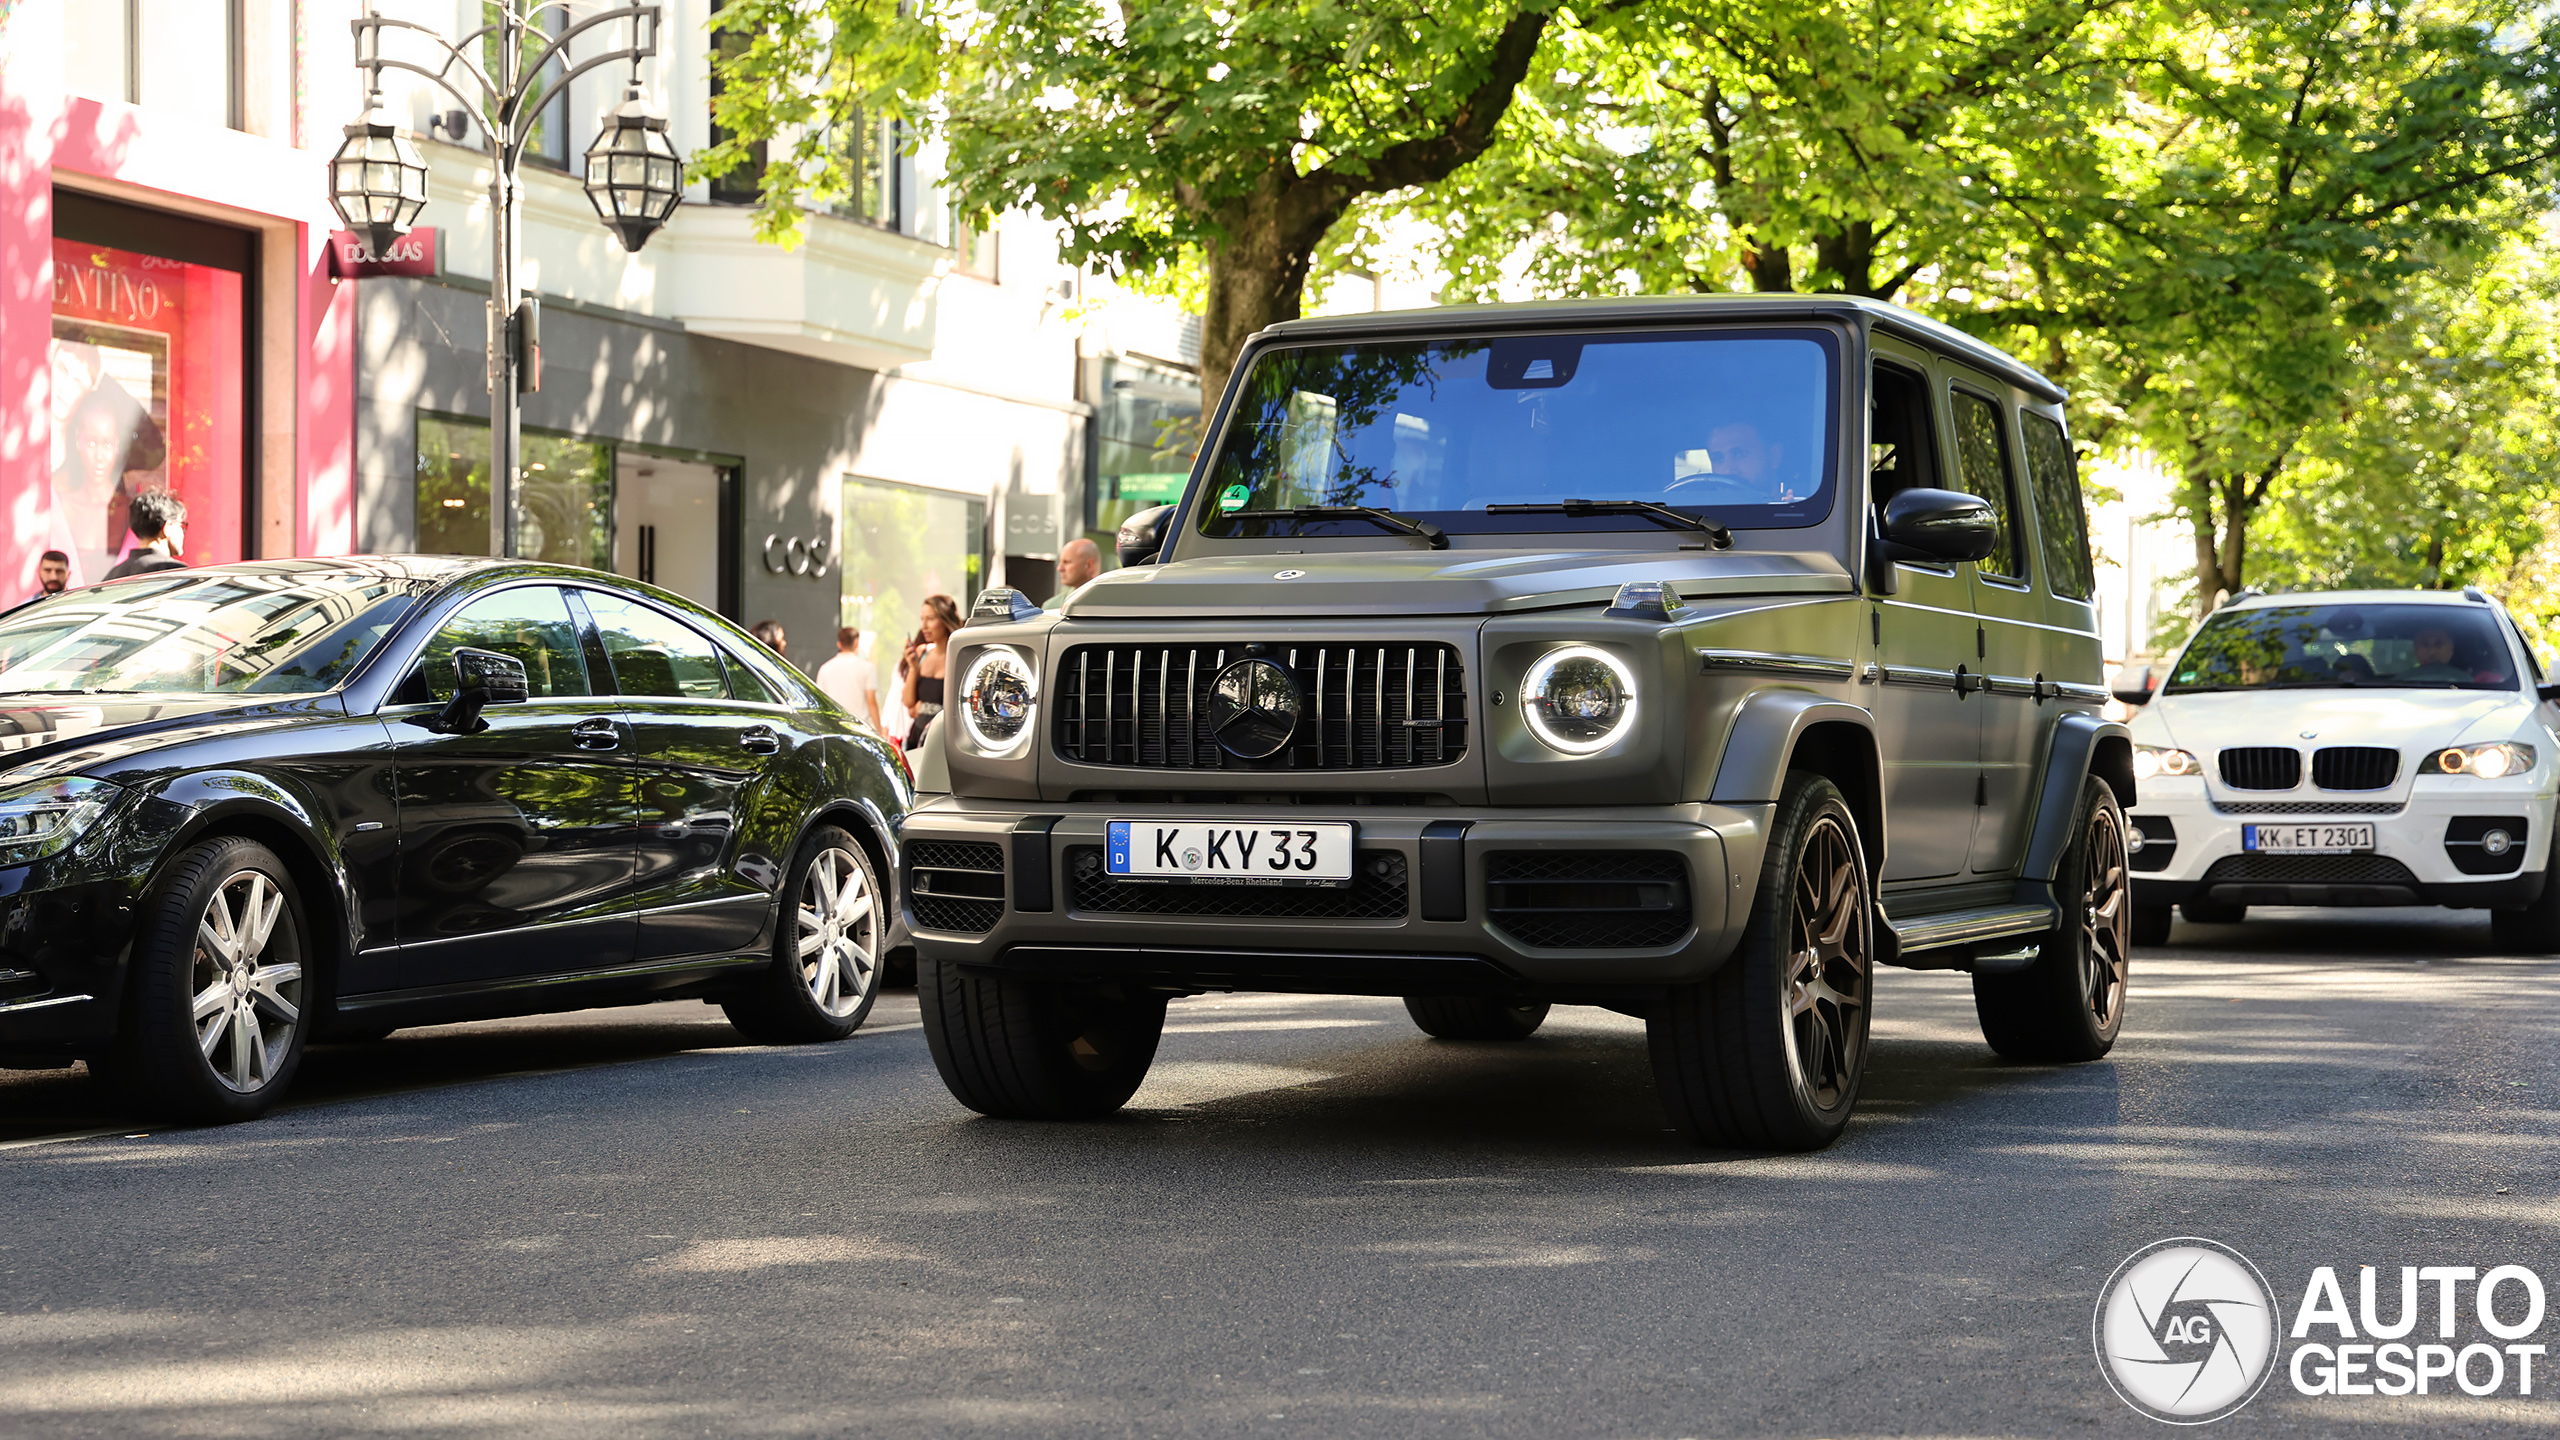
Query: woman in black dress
[[926, 663]]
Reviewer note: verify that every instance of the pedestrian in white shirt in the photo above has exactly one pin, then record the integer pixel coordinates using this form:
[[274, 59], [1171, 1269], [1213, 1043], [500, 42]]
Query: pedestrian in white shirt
[[851, 679]]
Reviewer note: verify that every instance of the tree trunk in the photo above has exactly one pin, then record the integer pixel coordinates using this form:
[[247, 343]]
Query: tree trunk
[[1257, 272], [1770, 267]]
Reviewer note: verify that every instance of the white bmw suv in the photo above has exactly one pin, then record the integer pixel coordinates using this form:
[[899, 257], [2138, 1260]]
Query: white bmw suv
[[2347, 747]]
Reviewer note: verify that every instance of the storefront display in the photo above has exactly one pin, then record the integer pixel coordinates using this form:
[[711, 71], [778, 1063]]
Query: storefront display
[[564, 502], [147, 394]]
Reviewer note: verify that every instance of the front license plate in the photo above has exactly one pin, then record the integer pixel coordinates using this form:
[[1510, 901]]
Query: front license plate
[[1221, 852], [2307, 839]]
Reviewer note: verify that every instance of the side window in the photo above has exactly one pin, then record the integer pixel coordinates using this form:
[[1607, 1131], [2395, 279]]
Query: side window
[[2531, 660], [530, 623], [654, 654], [745, 683], [1982, 452], [1900, 452], [2061, 524]]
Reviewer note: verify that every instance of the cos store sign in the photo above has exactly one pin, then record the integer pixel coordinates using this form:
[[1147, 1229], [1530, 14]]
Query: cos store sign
[[798, 555]]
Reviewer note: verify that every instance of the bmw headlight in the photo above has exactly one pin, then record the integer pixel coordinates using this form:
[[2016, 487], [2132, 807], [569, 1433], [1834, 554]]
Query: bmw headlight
[[2489, 762], [997, 697], [2154, 760], [43, 818], [1578, 699]]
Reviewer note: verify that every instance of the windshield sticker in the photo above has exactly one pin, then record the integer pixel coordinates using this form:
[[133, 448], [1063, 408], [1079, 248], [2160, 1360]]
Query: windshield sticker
[[1234, 496]]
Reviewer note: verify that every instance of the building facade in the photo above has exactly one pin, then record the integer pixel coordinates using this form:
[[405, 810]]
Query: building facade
[[168, 321], [821, 435]]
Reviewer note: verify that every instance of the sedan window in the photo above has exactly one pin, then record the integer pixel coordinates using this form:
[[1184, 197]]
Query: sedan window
[[530, 623], [654, 654], [210, 633]]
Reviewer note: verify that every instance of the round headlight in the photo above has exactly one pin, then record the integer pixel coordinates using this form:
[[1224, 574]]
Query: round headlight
[[997, 696], [1578, 699]]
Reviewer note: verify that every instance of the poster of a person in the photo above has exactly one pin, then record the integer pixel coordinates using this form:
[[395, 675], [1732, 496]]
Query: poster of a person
[[108, 450]]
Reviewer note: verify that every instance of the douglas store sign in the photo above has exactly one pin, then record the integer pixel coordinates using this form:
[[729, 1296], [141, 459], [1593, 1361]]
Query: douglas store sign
[[351, 256]]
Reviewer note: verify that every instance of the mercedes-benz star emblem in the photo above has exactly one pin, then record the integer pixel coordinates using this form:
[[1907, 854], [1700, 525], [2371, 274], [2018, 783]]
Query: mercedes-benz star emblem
[[1287, 574], [1254, 707]]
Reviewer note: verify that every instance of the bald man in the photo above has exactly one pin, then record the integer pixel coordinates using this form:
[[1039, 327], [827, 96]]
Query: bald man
[[1079, 560]]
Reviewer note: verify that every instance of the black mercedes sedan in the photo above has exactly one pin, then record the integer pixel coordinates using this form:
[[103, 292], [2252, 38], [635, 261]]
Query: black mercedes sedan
[[251, 806]]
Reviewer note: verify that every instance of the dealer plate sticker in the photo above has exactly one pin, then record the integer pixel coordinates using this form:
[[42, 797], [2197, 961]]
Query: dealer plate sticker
[[1223, 852], [2307, 839]]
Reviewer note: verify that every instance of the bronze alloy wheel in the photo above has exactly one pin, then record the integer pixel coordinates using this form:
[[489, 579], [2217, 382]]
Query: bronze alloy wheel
[[1827, 966], [2106, 920]]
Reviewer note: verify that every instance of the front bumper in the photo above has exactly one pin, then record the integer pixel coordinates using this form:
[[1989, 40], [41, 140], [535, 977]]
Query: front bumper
[[2425, 852], [1600, 903]]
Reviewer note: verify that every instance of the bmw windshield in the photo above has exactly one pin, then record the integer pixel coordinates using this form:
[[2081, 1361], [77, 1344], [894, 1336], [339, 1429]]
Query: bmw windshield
[[213, 632], [2313, 647], [1732, 427]]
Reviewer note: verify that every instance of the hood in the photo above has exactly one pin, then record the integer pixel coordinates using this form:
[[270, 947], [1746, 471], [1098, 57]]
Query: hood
[[1440, 582], [75, 731], [2405, 720]]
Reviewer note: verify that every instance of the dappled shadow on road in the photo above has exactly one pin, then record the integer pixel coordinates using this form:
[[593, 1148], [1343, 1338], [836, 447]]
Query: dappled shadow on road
[[37, 1103]]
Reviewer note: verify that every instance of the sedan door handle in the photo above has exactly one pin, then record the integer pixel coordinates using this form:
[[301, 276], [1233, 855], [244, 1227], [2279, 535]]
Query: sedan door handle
[[596, 734], [759, 740]]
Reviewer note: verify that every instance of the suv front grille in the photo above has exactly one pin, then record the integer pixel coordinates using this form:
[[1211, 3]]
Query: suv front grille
[[2354, 767], [2311, 869], [1592, 900], [1369, 706], [1376, 892], [2261, 767], [955, 885]]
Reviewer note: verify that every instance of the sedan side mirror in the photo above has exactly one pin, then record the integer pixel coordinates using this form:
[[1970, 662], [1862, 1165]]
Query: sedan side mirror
[[2133, 685], [1940, 526], [482, 678], [1142, 535]]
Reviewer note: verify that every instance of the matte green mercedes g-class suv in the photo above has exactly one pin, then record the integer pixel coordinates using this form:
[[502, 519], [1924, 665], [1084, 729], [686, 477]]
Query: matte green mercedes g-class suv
[[1688, 657]]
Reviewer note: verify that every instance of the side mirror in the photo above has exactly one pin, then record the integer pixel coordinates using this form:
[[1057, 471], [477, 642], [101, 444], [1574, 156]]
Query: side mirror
[[2547, 692], [1939, 525], [1142, 535], [498, 677], [482, 678], [2133, 685]]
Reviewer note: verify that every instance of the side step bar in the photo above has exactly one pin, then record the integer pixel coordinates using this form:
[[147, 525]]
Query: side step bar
[[1957, 928]]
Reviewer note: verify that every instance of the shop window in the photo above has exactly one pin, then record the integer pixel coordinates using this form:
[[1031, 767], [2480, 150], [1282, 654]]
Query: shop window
[[902, 544], [179, 56], [1147, 429], [149, 350], [564, 499]]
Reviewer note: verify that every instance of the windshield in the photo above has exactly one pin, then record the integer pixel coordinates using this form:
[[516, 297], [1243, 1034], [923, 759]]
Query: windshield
[[217, 632], [2278, 647], [1731, 426]]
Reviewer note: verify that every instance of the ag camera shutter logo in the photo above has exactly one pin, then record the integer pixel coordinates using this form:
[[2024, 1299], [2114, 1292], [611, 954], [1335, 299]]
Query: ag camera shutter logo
[[2186, 1330]]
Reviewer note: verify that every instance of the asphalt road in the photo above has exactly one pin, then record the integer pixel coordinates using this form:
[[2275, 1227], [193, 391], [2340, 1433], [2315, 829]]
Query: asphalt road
[[1314, 1221]]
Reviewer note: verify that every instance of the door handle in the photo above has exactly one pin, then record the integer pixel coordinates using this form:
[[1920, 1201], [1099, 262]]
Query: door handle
[[596, 734], [759, 740]]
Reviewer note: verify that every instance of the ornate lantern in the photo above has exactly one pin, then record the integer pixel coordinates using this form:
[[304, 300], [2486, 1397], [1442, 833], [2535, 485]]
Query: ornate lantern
[[377, 180], [635, 178]]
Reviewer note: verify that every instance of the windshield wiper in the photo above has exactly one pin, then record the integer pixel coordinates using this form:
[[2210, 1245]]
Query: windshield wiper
[[1384, 519], [70, 692], [1653, 510]]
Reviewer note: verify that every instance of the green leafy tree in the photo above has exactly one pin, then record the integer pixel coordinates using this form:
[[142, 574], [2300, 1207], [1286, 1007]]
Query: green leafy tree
[[1161, 132]]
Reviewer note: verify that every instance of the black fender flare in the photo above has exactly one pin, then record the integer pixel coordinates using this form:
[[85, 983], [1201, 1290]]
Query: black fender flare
[[2083, 745], [1762, 746]]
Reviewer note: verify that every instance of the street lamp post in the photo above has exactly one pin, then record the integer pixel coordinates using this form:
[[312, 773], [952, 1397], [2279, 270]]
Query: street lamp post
[[634, 177]]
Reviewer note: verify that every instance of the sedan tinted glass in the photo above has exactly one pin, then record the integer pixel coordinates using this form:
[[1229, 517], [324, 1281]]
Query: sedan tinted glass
[[655, 654], [2284, 647], [214, 633], [530, 623]]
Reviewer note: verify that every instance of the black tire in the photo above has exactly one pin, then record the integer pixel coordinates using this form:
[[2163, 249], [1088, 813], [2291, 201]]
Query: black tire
[[1768, 1054], [2151, 924], [1475, 1017], [828, 936], [1027, 1050], [2209, 912], [2069, 1005], [230, 889]]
